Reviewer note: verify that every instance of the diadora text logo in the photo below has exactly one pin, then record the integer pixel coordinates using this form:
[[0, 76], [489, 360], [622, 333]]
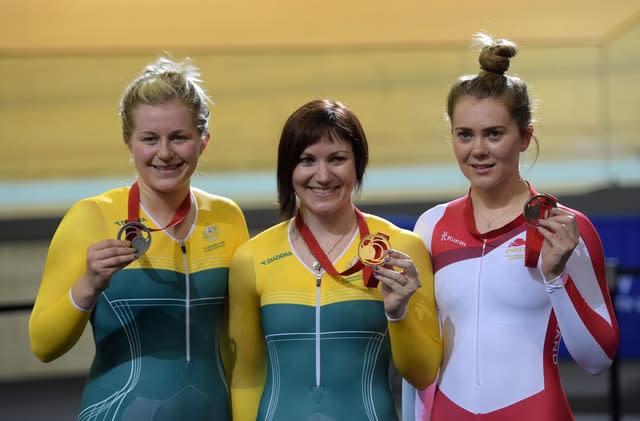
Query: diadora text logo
[[276, 257], [450, 238]]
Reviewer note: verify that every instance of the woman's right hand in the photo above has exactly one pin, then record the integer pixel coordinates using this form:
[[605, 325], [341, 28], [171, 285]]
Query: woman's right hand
[[104, 258]]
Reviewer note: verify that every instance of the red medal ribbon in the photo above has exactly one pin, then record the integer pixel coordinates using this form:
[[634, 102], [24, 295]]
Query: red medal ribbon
[[533, 246], [367, 273], [134, 211], [542, 204]]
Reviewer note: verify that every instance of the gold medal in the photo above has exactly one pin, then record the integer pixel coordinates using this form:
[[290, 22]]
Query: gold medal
[[373, 248]]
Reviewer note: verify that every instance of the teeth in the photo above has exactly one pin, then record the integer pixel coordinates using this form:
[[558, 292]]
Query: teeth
[[319, 190], [166, 167]]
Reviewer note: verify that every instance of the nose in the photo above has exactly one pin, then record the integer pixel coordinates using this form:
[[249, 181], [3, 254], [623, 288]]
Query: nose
[[479, 146], [164, 149], [323, 175]]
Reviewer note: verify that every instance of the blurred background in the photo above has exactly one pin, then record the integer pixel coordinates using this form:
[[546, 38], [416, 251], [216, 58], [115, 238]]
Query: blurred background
[[64, 64]]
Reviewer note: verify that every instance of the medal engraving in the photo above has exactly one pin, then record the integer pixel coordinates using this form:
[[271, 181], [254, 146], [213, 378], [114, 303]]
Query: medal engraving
[[538, 207], [138, 235], [372, 249]]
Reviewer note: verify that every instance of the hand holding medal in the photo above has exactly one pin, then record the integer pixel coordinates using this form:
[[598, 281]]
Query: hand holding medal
[[551, 229], [139, 235]]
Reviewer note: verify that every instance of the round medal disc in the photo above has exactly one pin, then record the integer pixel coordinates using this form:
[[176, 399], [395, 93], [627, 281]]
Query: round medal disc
[[372, 249], [138, 235], [538, 207]]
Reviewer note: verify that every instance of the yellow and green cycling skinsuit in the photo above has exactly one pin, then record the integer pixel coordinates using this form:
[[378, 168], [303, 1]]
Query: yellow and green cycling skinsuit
[[157, 326], [309, 350]]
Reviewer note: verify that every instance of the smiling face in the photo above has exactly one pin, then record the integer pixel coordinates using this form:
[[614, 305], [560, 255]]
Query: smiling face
[[325, 177], [165, 146], [487, 143]]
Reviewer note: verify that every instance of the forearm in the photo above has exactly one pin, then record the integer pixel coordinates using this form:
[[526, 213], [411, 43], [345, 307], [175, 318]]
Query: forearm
[[55, 329], [416, 345], [589, 333]]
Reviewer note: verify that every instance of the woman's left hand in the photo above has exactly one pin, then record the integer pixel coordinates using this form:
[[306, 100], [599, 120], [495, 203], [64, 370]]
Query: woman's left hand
[[560, 231], [397, 286]]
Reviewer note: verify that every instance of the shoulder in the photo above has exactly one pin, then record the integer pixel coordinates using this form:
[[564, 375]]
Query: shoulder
[[110, 200], [585, 226], [275, 233], [208, 201], [399, 237], [263, 242], [434, 214]]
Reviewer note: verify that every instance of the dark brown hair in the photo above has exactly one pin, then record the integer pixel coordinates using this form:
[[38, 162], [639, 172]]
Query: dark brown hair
[[316, 120]]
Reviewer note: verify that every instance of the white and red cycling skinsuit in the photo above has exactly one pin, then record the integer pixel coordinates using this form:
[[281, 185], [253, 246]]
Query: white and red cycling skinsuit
[[502, 324]]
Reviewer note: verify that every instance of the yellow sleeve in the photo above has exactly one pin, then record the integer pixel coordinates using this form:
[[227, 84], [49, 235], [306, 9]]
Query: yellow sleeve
[[56, 324], [416, 343], [245, 329], [240, 236]]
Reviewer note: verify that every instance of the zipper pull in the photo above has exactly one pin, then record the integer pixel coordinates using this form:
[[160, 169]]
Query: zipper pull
[[183, 247], [318, 268]]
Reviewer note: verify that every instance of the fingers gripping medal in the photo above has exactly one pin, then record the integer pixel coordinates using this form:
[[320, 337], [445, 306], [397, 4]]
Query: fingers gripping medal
[[138, 235], [373, 248]]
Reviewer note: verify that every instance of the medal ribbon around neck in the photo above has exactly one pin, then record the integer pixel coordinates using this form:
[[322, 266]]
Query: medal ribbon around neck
[[367, 272], [536, 208], [138, 234]]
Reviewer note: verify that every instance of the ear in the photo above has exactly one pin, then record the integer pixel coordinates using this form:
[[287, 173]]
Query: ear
[[204, 141], [526, 139]]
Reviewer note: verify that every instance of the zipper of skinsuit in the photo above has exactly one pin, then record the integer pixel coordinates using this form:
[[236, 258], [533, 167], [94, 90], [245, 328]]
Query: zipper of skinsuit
[[187, 306], [484, 244], [318, 281]]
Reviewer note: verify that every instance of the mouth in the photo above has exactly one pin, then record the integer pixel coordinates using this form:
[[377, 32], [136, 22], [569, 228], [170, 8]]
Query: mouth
[[167, 167], [481, 166], [321, 191]]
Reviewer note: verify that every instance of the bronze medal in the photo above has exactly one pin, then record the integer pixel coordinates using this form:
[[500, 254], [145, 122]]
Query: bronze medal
[[538, 207]]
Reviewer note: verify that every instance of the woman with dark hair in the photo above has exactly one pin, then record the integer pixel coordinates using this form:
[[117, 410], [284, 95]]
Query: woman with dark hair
[[514, 269], [314, 331]]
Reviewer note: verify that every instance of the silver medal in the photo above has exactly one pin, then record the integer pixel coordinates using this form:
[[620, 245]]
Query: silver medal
[[138, 235]]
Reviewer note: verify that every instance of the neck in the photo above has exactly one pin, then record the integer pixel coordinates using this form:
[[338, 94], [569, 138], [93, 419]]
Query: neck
[[516, 192], [333, 224], [162, 205], [494, 209]]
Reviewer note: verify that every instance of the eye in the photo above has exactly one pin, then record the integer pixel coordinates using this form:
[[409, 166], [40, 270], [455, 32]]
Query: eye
[[306, 160], [338, 159], [149, 139], [494, 134], [180, 137], [464, 135]]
